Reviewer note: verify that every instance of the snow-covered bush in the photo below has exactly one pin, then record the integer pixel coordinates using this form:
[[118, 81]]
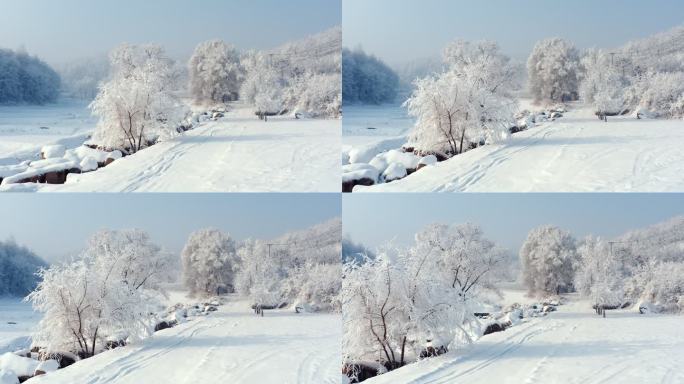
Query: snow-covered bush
[[302, 77], [294, 269], [110, 289], [471, 102], [215, 72], [314, 287], [366, 79], [316, 95], [664, 95], [660, 286], [552, 71], [599, 275], [26, 79], [138, 105], [548, 257], [209, 262], [18, 267]]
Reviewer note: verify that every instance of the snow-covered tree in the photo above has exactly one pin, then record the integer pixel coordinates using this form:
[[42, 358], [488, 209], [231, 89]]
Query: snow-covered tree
[[260, 276], [404, 301], [663, 95], [138, 105], [659, 286], [215, 72], [314, 287], [469, 103], [599, 275], [315, 95], [468, 262], [601, 83], [98, 295], [548, 259], [263, 86], [209, 262], [553, 71], [18, 268], [366, 79], [392, 310], [137, 261], [81, 78], [26, 79], [297, 268]]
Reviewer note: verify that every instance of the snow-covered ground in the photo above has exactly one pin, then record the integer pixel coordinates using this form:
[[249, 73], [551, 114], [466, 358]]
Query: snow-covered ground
[[237, 153], [571, 346], [231, 345], [576, 153], [372, 129], [24, 129], [17, 320]]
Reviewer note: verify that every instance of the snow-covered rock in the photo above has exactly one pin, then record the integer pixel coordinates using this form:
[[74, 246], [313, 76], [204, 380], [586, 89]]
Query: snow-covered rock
[[21, 366], [46, 366], [380, 163], [427, 160], [114, 155], [394, 171], [88, 164], [8, 377], [52, 151], [358, 174]]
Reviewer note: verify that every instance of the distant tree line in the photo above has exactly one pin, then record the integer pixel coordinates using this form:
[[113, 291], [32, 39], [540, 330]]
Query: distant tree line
[[366, 79], [18, 267], [26, 79]]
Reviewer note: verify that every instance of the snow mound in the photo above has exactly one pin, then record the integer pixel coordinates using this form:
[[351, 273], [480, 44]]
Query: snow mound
[[21, 366], [8, 377], [359, 171], [394, 171], [88, 164], [52, 151], [47, 366], [427, 160]]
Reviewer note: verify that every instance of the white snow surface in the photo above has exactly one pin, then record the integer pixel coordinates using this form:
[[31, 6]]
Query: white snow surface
[[24, 129], [232, 345], [17, 320], [570, 346], [238, 153], [576, 153]]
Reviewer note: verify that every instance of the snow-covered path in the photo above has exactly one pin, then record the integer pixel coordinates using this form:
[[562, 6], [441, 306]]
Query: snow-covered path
[[229, 346], [238, 153], [571, 346], [577, 153]]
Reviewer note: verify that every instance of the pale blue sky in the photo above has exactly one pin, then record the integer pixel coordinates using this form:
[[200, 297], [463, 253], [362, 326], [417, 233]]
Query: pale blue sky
[[56, 225], [61, 30], [374, 219], [401, 30]]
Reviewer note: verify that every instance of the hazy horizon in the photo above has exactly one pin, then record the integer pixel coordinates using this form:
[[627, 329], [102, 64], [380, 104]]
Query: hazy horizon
[[505, 218], [401, 32], [78, 29], [57, 226]]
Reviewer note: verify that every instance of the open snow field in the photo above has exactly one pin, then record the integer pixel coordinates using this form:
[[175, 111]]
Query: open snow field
[[238, 153], [231, 345], [571, 346], [25, 129], [576, 153], [17, 320]]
